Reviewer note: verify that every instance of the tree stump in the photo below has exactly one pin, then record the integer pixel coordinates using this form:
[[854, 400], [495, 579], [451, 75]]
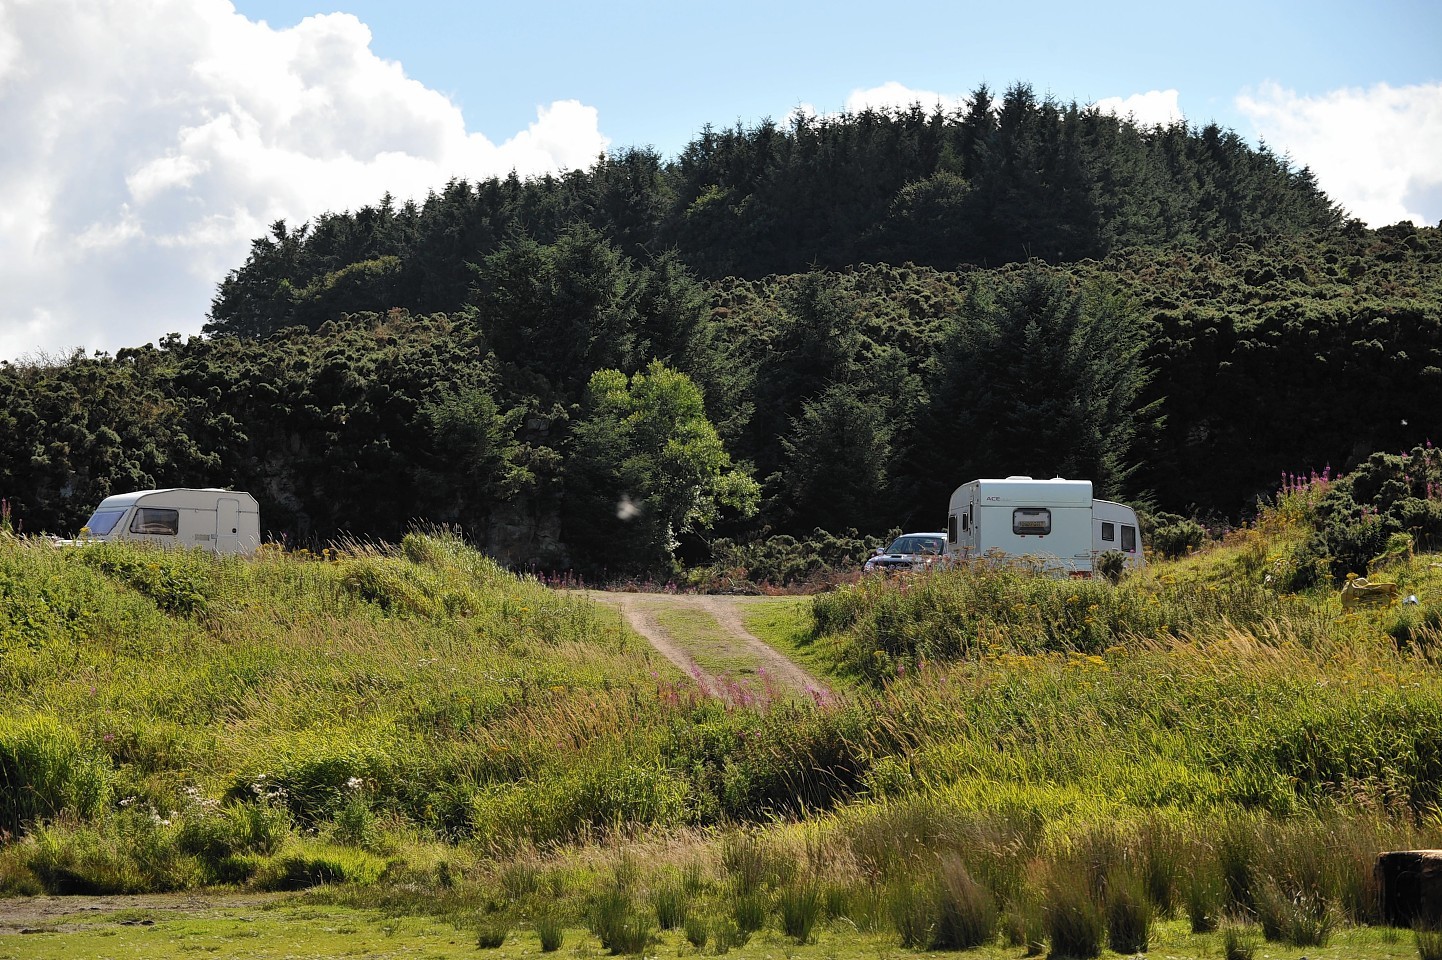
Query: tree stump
[[1409, 887]]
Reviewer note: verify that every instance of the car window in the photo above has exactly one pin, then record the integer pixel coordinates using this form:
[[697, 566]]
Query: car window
[[917, 545]]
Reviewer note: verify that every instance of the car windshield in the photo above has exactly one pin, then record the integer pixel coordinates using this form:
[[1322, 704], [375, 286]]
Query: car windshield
[[103, 521], [915, 544]]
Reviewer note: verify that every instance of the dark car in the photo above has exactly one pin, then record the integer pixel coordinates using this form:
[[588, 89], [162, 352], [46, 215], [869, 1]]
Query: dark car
[[910, 551]]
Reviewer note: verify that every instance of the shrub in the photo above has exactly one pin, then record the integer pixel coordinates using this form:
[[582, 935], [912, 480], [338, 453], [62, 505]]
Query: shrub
[[696, 931], [913, 912], [1024, 924], [1175, 536], [178, 581], [725, 934], [228, 844], [1205, 893], [744, 856], [1111, 565], [749, 911], [1429, 942], [313, 864], [1238, 943], [549, 930], [1301, 918], [615, 921]]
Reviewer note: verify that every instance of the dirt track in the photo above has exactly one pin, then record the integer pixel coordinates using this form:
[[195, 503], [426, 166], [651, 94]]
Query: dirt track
[[781, 675], [29, 915]]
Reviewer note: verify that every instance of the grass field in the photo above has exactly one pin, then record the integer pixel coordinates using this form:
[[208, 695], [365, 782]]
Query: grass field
[[1191, 762]]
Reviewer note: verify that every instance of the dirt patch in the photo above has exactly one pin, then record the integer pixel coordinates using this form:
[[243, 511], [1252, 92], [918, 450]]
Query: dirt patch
[[782, 675], [37, 915]]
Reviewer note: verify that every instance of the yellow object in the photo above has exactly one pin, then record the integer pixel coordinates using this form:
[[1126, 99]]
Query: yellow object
[[1359, 591]]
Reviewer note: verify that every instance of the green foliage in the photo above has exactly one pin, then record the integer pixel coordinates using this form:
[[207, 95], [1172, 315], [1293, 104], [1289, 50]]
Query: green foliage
[[1035, 377], [550, 930], [820, 557], [621, 928], [1112, 565], [1429, 943], [177, 580], [46, 772], [697, 932], [492, 933], [1175, 536], [951, 615], [1377, 512], [1238, 944], [913, 910], [672, 905], [310, 864], [647, 467], [1299, 917], [967, 915]]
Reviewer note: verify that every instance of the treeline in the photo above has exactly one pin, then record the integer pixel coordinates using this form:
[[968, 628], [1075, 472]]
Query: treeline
[[600, 412], [994, 182]]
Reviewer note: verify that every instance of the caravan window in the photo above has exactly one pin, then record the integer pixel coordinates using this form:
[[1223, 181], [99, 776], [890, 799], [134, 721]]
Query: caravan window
[[1129, 538], [103, 521], [1109, 532], [951, 528], [157, 521], [1031, 521]]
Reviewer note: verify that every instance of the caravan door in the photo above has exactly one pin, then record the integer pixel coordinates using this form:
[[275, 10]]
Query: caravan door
[[227, 526]]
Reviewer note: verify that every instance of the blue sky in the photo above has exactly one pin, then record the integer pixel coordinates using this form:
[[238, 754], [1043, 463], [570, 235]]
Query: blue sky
[[149, 141], [657, 71]]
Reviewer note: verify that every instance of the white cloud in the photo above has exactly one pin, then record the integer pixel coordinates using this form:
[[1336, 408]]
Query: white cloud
[[1373, 150], [149, 141], [895, 96], [1153, 108]]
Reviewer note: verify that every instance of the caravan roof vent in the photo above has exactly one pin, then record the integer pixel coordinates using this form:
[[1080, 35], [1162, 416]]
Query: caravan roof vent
[[1018, 478]]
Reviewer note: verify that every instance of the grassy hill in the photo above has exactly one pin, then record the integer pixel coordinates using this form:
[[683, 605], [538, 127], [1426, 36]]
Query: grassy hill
[[1013, 760]]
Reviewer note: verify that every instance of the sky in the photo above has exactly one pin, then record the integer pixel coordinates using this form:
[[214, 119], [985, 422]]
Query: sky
[[148, 142]]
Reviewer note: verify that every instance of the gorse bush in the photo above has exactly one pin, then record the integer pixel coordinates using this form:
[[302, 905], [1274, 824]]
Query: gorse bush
[[1175, 536]]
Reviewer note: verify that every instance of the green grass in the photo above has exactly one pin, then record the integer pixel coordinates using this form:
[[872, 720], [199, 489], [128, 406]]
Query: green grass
[[428, 736], [712, 648], [326, 931], [786, 624]]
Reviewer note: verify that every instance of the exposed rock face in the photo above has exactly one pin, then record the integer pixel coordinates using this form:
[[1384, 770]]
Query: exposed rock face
[[1409, 887]]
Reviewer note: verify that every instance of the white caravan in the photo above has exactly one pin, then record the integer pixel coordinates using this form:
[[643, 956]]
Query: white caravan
[[221, 521], [1054, 523]]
